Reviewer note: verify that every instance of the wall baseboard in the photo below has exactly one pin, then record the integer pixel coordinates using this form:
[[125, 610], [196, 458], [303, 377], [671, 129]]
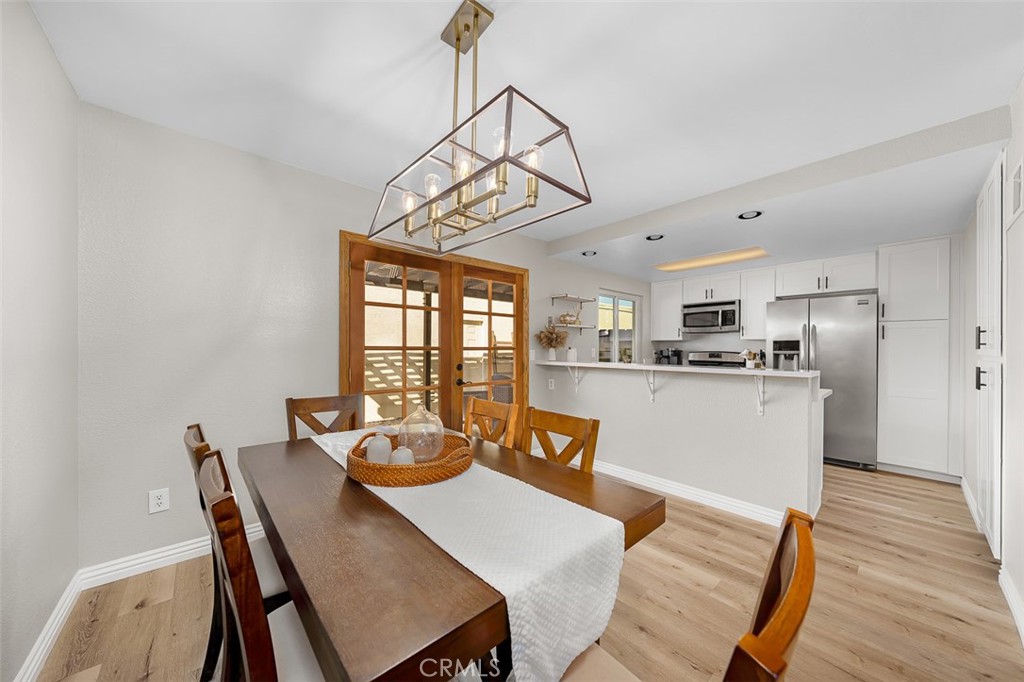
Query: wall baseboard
[[108, 572], [1014, 599], [920, 473], [972, 505], [687, 492]]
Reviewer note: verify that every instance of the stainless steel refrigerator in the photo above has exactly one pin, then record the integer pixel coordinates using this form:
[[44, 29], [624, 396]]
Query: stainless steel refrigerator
[[837, 335]]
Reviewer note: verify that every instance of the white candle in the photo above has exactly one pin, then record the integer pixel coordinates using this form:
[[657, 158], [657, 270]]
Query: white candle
[[402, 456]]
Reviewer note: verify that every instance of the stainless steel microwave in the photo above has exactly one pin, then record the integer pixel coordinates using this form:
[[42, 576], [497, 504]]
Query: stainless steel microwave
[[709, 318]]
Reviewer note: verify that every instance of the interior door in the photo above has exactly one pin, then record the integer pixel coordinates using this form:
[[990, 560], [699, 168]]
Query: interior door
[[400, 333]]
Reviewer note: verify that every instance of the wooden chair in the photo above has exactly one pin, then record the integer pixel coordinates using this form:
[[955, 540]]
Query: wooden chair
[[258, 646], [348, 407], [597, 665], [496, 422], [198, 450], [582, 434], [763, 653]]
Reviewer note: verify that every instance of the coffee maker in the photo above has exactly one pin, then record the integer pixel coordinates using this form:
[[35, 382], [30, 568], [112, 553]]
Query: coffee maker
[[668, 356]]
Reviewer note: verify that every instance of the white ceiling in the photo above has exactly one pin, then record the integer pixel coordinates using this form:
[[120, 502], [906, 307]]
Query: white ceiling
[[666, 101]]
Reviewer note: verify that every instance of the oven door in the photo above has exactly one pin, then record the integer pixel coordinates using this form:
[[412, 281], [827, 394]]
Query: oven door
[[702, 319]]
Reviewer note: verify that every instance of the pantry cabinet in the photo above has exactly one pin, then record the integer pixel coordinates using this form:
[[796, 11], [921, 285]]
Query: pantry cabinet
[[757, 288], [913, 280], [667, 311]]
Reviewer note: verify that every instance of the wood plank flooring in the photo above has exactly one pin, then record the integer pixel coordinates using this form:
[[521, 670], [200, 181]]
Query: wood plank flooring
[[906, 590]]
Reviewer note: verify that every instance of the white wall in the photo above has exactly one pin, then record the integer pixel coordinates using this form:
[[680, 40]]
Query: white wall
[[38, 372], [1012, 575], [209, 292]]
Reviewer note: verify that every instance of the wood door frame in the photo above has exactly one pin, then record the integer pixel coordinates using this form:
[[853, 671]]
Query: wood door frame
[[457, 264]]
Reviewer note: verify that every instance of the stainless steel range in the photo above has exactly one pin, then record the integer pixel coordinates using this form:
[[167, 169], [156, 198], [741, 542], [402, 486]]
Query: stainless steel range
[[715, 359]]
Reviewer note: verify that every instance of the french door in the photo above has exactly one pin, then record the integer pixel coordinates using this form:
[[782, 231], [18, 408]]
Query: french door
[[418, 330]]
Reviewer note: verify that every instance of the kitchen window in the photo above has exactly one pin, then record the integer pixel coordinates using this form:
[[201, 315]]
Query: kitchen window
[[616, 327]]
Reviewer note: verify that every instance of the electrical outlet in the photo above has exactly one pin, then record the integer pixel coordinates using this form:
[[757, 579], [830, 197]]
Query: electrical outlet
[[551, 384], [159, 500]]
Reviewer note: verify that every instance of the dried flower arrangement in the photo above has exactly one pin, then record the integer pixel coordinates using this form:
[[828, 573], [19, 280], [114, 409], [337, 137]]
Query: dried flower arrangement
[[550, 337]]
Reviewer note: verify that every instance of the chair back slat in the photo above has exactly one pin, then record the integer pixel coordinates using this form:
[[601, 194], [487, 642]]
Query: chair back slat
[[196, 446], [348, 407], [763, 653], [582, 435], [496, 422], [249, 650]]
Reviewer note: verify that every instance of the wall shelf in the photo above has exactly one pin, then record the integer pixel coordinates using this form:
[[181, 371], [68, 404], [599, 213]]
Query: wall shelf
[[577, 302], [571, 299]]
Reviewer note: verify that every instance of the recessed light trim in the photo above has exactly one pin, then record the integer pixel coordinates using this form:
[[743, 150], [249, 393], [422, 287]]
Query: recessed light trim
[[588, 254], [712, 259], [750, 215], [654, 237]]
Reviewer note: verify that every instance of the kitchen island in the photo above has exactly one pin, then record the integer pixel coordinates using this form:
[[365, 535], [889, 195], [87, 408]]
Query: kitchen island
[[744, 440]]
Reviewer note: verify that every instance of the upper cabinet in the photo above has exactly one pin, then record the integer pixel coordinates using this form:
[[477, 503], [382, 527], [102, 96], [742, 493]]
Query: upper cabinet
[[913, 280], [724, 287], [666, 311], [757, 288], [846, 273]]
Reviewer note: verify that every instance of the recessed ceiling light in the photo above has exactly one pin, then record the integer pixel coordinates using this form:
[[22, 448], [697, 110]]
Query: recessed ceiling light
[[711, 259], [588, 254], [750, 215], [654, 237]]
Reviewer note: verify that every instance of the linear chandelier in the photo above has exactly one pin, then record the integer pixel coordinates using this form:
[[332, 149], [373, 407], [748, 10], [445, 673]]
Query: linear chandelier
[[461, 192]]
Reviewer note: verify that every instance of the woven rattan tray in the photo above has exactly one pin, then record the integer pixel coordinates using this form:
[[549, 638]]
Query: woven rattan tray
[[454, 459]]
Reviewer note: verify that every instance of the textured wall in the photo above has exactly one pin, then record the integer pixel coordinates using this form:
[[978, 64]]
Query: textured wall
[[39, 545]]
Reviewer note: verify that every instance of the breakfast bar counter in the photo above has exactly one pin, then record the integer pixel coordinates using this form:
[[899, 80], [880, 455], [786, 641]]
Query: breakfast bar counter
[[744, 440]]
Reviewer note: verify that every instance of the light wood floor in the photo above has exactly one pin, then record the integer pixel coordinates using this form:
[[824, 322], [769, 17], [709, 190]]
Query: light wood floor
[[906, 590]]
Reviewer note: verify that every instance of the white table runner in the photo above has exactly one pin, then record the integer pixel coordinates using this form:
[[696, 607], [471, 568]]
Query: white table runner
[[556, 563]]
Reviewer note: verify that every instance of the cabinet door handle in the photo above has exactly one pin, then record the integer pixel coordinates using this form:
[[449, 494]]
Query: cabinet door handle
[[883, 332], [712, 294], [883, 311], [978, 343], [679, 332], [826, 281], [705, 294], [742, 328], [978, 371], [819, 284]]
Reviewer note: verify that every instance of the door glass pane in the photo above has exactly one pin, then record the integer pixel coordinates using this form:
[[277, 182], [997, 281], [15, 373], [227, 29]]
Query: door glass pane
[[422, 368], [503, 329], [474, 294], [383, 369], [383, 282], [474, 366], [429, 399], [424, 288], [504, 364], [423, 328], [383, 326], [475, 331], [383, 407], [502, 393], [502, 298]]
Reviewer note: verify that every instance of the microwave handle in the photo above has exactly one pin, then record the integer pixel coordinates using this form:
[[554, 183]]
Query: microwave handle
[[803, 346]]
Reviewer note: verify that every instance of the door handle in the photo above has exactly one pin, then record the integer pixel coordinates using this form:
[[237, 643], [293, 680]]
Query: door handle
[[826, 281], [705, 294], [883, 311], [978, 371], [883, 332], [978, 343], [712, 294], [742, 328], [459, 382], [819, 283]]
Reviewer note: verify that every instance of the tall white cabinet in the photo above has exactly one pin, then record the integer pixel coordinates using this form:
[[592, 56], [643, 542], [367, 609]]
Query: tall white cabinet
[[757, 288], [667, 311], [913, 355]]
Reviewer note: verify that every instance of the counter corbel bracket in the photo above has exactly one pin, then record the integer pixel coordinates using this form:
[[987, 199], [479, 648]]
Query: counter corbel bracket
[[759, 389], [576, 374], [649, 378]]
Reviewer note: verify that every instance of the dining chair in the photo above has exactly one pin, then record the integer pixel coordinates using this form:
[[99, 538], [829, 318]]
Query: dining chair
[[348, 407], [763, 653], [258, 646], [496, 422], [582, 435], [275, 592], [597, 665]]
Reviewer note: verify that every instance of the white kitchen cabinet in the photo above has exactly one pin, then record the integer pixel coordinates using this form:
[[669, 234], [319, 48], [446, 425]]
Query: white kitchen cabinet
[[724, 287], [849, 273], [913, 280], [913, 394], [798, 279], [696, 290], [757, 288], [667, 311]]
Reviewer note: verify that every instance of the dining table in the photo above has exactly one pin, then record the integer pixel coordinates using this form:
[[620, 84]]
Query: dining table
[[377, 598]]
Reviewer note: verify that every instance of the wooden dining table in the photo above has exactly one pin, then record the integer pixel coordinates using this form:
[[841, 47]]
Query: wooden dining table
[[377, 598]]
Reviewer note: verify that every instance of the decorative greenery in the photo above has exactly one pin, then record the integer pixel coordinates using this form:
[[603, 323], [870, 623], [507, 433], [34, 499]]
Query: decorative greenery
[[550, 337]]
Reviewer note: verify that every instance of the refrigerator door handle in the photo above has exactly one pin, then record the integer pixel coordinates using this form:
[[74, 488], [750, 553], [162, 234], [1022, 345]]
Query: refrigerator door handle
[[803, 347], [813, 364]]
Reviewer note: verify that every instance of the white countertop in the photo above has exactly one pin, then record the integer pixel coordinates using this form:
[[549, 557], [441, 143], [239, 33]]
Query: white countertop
[[686, 369]]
